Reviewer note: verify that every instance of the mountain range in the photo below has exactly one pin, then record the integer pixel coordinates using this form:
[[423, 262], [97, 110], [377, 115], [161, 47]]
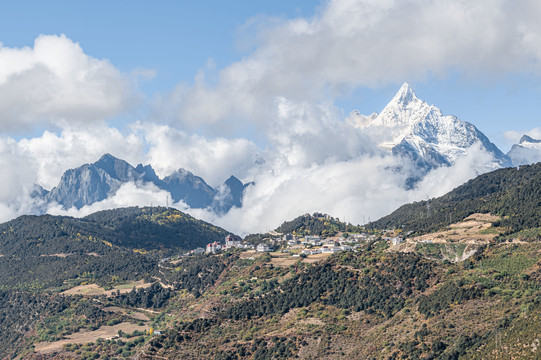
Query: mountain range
[[407, 127], [95, 182]]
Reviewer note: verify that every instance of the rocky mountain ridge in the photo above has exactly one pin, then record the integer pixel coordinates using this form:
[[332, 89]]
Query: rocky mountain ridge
[[527, 151], [95, 182]]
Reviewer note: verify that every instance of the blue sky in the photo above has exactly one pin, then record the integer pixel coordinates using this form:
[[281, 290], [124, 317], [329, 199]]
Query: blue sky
[[259, 90], [176, 39]]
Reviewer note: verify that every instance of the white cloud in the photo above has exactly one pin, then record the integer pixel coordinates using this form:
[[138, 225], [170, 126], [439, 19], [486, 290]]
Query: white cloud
[[352, 43], [52, 153], [303, 134], [56, 82], [440, 181], [214, 160], [163, 147], [356, 191], [17, 177], [513, 136], [356, 184]]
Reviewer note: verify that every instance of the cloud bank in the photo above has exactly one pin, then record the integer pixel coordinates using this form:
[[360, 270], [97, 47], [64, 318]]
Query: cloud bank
[[55, 82]]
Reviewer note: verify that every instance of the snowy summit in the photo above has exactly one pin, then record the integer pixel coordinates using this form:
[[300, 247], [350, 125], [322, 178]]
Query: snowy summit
[[410, 127]]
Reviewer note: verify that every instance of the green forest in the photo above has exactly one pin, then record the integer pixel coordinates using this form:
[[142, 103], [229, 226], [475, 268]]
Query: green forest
[[511, 193], [316, 224]]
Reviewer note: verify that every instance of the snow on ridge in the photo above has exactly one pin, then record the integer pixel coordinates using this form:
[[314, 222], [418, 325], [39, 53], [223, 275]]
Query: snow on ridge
[[410, 126], [528, 151]]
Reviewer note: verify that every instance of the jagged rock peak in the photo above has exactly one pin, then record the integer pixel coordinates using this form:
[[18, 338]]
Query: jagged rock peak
[[233, 180], [107, 159], [405, 95], [528, 139]]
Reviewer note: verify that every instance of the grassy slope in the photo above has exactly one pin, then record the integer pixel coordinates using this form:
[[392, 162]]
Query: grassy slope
[[487, 307], [484, 308]]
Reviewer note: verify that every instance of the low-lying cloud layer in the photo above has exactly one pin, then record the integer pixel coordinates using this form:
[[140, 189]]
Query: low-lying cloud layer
[[356, 187], [270, 118]]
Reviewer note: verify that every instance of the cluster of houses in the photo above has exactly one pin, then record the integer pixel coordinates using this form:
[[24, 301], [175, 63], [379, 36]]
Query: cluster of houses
[[309, 245], [395, 240], [326, 246], [231, 242]]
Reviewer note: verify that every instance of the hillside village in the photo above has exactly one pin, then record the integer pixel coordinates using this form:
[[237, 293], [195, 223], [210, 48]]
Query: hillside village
[[475, 230], [295, 245]]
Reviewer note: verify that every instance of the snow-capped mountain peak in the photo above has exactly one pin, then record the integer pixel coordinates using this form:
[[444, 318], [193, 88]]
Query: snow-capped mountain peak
[[527, 151], [410, 127], [402, 114], [528, 139], [404, 96]]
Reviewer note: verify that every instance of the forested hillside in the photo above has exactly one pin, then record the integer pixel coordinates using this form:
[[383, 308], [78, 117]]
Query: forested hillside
[[42, 251], [154, 228], [43, 256], [512, 193], [373, 304], [316, 224], [101, 287], [149, 228]]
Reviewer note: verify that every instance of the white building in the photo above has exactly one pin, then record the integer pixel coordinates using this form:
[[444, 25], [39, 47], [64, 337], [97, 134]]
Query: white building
[[232, 241], [292, 242], [263, 248], [330, 249], [213, 247], [313, 240]]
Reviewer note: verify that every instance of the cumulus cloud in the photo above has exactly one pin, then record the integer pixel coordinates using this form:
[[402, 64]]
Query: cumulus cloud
[[214, 159], [18, 178], [43, 159], [55, 82], [514, 136], [441, 180], [351, 43], [356, 191], [348, 189], [51, 154]]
